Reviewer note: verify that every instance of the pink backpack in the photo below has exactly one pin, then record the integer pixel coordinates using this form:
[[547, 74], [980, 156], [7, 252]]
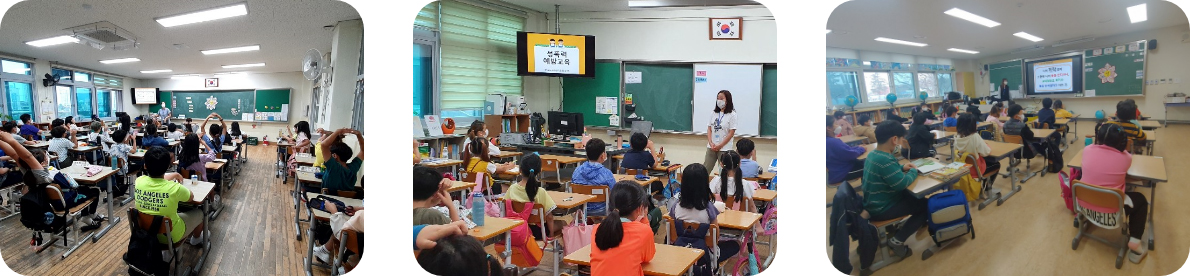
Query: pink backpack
[[523, 243], [1065, 181]]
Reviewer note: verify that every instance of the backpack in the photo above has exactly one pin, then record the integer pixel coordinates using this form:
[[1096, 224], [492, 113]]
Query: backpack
[[144, 251], [694, 238], [37, 211], [949, 216], [1055, 156], [1065, 182]]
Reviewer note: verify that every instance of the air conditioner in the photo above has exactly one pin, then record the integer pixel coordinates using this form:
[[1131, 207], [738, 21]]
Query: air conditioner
[[103, 34]]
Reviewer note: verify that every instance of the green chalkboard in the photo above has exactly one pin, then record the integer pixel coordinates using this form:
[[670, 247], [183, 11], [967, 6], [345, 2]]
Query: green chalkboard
[[768, 103], [270, 100], [198, 104], [664, 95], [1012, 70], [580, 93], [1122, 71]]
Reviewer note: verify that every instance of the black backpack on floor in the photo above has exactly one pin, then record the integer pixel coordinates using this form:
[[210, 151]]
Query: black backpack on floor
[[37, 211], [144, 251]]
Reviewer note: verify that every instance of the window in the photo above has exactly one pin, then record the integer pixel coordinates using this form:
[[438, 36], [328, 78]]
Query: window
[[83, 98], [944, 82], [15, 67], [478, 57], [62, 96], [82, 77], [903, 83], [877, 84], [423, 78], [63, 74], [103, 103], [928, 83], [841, 85], [19, 98]]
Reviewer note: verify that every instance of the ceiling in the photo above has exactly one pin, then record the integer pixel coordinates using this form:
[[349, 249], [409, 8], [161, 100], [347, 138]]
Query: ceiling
[[285, 30], [855, 24], [547, 6]]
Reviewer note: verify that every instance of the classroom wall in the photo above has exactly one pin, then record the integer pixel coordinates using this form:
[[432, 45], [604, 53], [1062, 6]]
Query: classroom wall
[[1168, 61], [345, 46], [299, 96]]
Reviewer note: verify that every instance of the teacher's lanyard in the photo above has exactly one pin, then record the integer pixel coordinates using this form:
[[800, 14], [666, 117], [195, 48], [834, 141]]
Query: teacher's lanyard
[[719, 122]]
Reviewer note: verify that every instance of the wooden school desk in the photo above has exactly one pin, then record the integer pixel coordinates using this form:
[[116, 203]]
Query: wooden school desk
[[314, 214], [999, 152], [764, 178], [622, 177], [571, 202], [564, 160], [442, 163], [39, 145], [867, 149], [217, 168], [507, 155], [85, 150], [201, 192], [1149, 124], [304, 159], [853, 139], [668, 260], [924, 185], [1150, 169], [461, 187], [1039, 135], [493, 227], [78, 174], [1150, 139]]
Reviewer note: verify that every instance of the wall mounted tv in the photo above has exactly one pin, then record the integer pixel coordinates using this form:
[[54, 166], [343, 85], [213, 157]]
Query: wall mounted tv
[[145, 96], [555, 55]]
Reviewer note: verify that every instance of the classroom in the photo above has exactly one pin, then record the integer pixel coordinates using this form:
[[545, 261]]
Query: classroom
[[181, 137], [552, 104], [1044, 126]]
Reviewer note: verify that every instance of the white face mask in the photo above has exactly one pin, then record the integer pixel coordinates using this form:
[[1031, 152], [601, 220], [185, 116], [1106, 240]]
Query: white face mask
[[897, 149], [721, 103]]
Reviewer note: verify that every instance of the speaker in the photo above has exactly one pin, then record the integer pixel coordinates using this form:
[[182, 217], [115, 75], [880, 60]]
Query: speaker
[[1152, 44], [985, 67]]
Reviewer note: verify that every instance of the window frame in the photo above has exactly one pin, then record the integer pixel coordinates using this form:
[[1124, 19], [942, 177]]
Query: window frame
[[30, 79], [864, 79], [892, 82], [918, 74], [863, 85], [433, 39], [859, 85], [477, 112]]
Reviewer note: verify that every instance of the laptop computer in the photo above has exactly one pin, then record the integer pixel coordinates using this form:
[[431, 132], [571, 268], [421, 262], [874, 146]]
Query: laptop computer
[[645, 127], [512, 138]]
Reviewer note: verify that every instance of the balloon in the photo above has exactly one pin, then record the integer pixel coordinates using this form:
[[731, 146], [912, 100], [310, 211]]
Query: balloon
[[892, 98], [1099, 115], [851, 101], [922, 95]]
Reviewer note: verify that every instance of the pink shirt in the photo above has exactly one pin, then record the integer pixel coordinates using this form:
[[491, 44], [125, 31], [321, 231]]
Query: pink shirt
[[1105, 166], [997, 121]]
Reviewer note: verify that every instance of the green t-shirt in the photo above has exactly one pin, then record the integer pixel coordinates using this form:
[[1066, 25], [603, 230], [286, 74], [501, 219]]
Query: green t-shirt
[[429, 216], [156, 196], [340, 178]]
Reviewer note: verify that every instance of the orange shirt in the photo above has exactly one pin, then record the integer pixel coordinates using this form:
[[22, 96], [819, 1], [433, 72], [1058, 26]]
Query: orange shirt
[[635, 249]]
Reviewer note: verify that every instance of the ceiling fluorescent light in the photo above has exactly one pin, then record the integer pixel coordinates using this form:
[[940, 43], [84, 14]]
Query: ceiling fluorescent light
[[902, 42], [1073, 41], [682, 3], [184, 76], [243, 65], [1028, 36], [119, 60], [962, 51], [230, 73], [1138, 13], [232, 50], [52, 41], [156, 71], [203, 16], [956, 12]]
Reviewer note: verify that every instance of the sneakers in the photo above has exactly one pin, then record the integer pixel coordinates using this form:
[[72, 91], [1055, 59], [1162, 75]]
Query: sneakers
[[1138, 254], [322, 254], [196, 240], [899, 248]]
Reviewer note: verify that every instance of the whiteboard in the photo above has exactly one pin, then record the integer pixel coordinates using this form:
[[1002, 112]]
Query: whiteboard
[[145, 95], [743, 80]]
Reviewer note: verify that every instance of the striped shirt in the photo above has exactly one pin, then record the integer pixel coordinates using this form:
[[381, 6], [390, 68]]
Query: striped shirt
[[1134, 131], [60, 147], [884, 181]]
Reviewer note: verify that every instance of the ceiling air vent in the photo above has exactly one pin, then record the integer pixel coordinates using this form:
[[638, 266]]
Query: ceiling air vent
[[103, 34]]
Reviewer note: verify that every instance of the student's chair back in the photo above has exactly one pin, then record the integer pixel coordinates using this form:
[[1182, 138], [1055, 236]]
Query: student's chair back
[[551, 171], [749, 206], [599, 192], [347, 194], [632, 171], [1100, 197], [138, 220], [712, 238], [537, 217]]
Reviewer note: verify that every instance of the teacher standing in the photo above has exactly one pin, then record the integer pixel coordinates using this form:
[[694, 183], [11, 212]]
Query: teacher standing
[[164, 113], [1004, 94], [721, 129]]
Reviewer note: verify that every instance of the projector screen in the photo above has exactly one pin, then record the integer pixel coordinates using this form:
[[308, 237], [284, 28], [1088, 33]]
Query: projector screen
[[555, 55], [1053, 75], [145, 96]]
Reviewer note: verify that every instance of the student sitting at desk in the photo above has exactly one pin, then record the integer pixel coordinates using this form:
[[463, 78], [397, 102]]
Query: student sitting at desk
[[642, 156], [593, 172], [1045, 116], [969, 141], [729, 183], [30, 131], [120, 152], [429, 190], [695, 204], [529, 190], [994, 116], [921, 140], [841, 163], [1017, 126], [623, 243], [301, 142], [1106, 164], [193, 160], [891, 114], [1125, 111], [61, 146], [951, 119], [12, 128], [747, 150], [865, 128], [340, 174], [1060, 111], [479, 129], [842, 126], [886, 183], [72, 192], [173, 133], [151, 138], [159, 193]]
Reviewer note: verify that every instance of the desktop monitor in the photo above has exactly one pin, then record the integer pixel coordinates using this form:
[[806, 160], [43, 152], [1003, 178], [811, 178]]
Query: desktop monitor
[[644, 127], [566, 123]]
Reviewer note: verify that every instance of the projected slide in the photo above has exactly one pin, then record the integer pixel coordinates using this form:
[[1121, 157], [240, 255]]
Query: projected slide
[[1053, 76]]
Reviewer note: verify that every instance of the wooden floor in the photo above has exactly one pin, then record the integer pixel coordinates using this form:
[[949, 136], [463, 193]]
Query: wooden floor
[[1032, 232], [253, 235]]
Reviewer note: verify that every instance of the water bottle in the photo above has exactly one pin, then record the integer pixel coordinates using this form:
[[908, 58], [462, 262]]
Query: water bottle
[[1088, 143], [193, 178], [477, 205]]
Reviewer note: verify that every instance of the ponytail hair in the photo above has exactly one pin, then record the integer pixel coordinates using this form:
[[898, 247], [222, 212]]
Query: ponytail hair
[[477, 148], [476, 126], [531, 166], [731, 162], [626, 197]]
